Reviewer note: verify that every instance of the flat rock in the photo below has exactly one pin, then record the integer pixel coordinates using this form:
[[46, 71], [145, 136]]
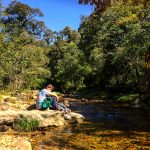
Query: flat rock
[[45, 118]]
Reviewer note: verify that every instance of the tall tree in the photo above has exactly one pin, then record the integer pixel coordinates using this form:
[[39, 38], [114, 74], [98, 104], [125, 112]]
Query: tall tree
[[23, 53], [20, 17]]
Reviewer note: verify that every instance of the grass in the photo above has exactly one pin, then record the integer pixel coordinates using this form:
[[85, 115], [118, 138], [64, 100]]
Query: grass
[[126, 97], [1, 98], [5, 92], [25, 124]]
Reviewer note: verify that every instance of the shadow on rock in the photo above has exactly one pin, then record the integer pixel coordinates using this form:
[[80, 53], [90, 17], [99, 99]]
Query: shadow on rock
[[32, 107]]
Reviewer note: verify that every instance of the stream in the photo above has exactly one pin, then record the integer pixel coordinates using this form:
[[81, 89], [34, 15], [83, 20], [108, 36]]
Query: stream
[[108, 125]]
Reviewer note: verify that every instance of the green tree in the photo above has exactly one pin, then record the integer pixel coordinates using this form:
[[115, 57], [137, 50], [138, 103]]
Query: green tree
[[71, 35], [71, 68], [23, 60], [116, 40], [23, 53], [67, 62]]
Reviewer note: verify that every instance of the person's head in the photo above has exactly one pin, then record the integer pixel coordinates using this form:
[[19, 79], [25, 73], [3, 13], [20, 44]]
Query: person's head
[[50, 87]]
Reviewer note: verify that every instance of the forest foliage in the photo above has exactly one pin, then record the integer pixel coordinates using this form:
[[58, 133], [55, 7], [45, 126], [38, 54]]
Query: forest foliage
[[107, 51]]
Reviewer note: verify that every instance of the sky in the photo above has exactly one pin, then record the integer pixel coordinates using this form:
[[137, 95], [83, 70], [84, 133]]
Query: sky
[[58, 13]]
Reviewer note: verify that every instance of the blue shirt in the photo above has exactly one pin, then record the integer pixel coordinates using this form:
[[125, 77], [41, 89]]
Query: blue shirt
[[42, 95]]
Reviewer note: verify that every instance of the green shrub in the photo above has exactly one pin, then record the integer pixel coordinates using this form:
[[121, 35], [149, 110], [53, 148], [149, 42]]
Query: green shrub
[[25, 124]]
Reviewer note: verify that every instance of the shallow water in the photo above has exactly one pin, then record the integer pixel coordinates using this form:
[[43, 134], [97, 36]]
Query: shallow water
[[107, 126]]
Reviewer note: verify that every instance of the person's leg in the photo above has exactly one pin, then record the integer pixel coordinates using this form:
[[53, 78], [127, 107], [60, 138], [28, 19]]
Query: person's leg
[[38, 105], [60, 107], [63, 108], [54, 102]]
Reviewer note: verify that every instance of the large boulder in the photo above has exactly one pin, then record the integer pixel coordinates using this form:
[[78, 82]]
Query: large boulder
[[45, 118], [12, 109]]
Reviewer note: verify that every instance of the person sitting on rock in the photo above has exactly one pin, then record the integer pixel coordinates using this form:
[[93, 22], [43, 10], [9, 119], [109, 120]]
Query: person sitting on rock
[[43, 94], [46, 98]]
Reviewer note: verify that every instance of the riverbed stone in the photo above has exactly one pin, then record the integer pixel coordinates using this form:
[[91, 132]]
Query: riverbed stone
[[11, 142], [22, 144]]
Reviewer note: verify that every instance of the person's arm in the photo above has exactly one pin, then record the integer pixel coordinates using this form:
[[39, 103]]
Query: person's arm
[[52, 94]]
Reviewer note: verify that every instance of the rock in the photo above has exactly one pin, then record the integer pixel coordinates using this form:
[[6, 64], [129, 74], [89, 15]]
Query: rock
[[84, 100], [7, 120], [29, 95], [35, 94], [66, 102], [77, 117], [3, 128], [51, 118], [45, 118], [136, 103], [68, 116], [22, 144], [10, 100], [4, 107], [10, 142]]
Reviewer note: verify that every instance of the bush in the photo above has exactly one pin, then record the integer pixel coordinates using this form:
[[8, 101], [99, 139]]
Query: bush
[[25, 124]]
